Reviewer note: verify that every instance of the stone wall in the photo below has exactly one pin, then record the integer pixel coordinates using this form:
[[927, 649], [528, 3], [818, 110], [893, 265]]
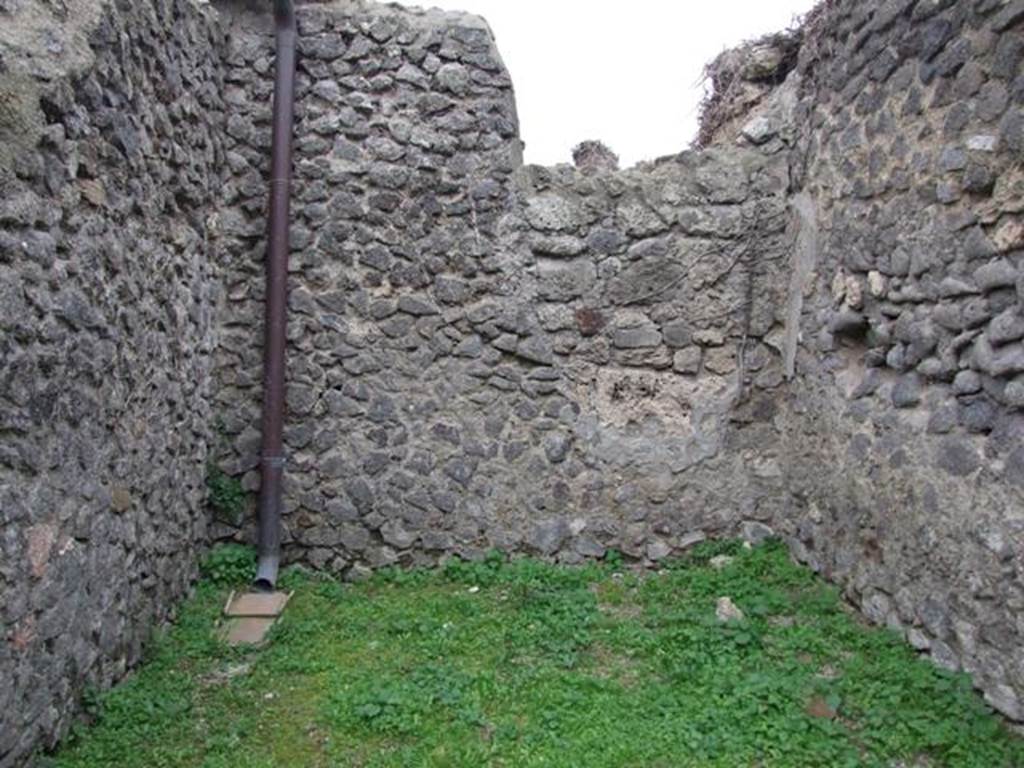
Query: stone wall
[[109, 157], [909, 374], [483, 355], [406, 135]]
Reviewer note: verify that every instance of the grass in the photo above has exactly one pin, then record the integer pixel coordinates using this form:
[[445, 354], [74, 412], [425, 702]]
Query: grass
[[526, 664]]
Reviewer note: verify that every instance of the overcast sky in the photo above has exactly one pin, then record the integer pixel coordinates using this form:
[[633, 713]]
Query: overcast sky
[[627, 73]]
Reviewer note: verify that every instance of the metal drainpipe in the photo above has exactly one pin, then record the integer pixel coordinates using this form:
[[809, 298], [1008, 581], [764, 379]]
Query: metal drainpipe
[[276, 322]]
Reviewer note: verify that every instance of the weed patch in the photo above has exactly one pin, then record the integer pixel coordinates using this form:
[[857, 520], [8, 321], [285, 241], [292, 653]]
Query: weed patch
[[519, 663], [229, 565]]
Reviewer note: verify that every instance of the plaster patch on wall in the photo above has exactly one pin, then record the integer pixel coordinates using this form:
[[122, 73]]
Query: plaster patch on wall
[[805, 254]]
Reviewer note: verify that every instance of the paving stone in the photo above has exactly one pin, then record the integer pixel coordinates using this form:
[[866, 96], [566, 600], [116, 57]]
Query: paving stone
[[247, 630], [257, 604]]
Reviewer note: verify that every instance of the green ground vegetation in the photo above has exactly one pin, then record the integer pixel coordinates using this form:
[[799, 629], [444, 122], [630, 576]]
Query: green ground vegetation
[[526, 664], [225, 495]]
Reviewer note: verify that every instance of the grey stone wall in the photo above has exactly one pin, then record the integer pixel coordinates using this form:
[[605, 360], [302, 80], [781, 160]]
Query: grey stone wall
[[909, 374], [109, 154], [484, 355]]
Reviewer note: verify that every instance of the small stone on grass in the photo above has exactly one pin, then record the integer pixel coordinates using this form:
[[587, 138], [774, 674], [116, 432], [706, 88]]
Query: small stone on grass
[[727, 610]]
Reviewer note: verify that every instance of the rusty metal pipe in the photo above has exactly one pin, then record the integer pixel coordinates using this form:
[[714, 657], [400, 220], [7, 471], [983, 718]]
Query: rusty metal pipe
[[276, 310]]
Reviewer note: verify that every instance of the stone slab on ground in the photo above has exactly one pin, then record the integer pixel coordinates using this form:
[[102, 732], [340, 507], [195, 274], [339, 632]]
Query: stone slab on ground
[[257, 604], [247, 630], [250, 616]]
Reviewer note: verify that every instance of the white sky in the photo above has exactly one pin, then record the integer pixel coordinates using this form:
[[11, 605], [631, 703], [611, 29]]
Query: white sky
[[627, 73]]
